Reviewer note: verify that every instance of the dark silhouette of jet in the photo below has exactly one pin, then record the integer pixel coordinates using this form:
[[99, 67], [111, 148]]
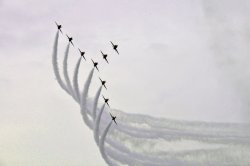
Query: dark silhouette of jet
[[59, 27], [103, 83], [70, 40], [114, 47], [95, 64], [106, 100], [113, 118], [105, 56], [82, 53]]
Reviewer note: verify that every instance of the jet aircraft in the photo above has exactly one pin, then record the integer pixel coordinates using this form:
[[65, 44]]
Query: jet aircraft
[[95, 64], [105, 56], [114, 47], [113, 118], [106, 100], [103, 83], [59, 27], [70, 40], [82, 53]]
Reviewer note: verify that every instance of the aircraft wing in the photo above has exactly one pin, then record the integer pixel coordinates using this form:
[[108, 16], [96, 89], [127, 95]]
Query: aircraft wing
[[106, 60], [84, 57], [97, 68], [117, 51]]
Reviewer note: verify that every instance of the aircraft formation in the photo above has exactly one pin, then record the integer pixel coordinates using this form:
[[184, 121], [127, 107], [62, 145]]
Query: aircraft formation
[[95, 64]]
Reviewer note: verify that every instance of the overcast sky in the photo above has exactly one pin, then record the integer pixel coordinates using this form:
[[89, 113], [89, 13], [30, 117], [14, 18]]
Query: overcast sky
[[184, 59]]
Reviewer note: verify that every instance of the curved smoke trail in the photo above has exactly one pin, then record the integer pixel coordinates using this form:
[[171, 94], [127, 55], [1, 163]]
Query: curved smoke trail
[[65, 71], [157, 150], [102, 141], [97, 125], [83, 103], [55, 65], [96, 101], [144, 140], [75, 80], [155, 121], [86, 88]]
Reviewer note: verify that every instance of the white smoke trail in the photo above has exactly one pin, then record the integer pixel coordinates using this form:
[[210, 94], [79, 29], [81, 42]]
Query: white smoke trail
[[198, 158], [142, 155], [126, 159], [176, 123], [181, 156], [75, 80], [144, 140], [63, 85], [150, 152], [86, 88], [101, 145], [138, 130], [161, 125], [55, 65], [83, 102], [96, 101], [170, 134], [131, 158], [65, 72], [97, 124]]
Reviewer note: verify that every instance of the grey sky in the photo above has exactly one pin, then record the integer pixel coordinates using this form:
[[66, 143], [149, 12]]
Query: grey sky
[[178, 59]]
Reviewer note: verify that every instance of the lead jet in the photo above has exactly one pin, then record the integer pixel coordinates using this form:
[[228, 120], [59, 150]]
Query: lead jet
[[113, 118], [59, 27], [70, 40], [105, 56], [106, 100], [114, 47], [103, 83], [95, 64], [82, 53]]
